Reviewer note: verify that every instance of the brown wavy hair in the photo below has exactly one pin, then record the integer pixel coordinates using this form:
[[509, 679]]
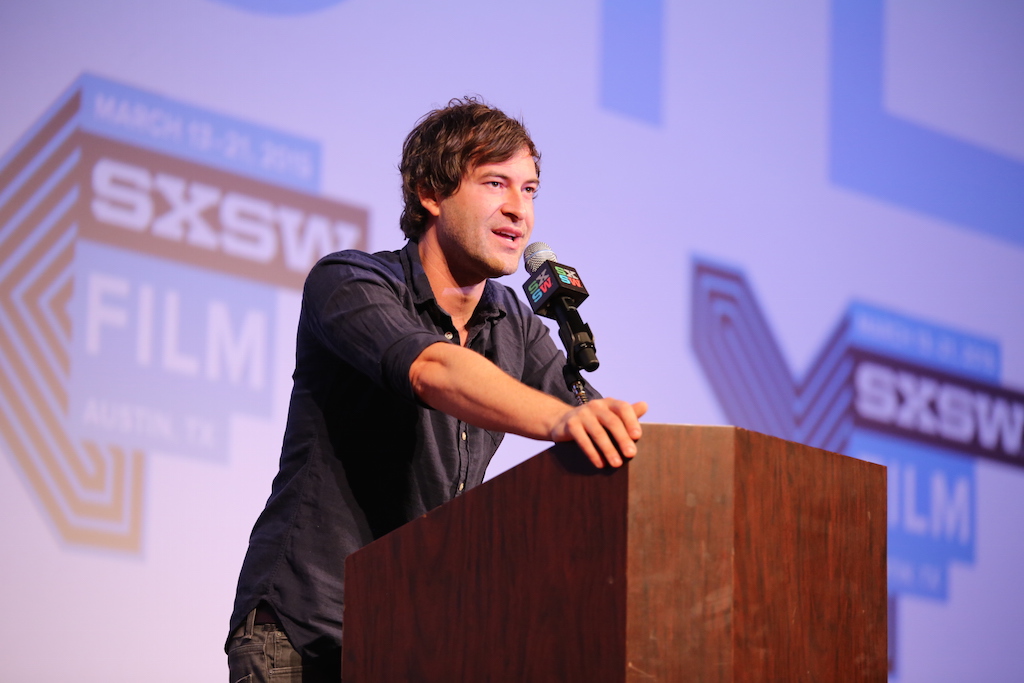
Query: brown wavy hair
[[446, 144]]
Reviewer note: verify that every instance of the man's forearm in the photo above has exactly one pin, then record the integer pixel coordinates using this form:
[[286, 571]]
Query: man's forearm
[[463, 383]]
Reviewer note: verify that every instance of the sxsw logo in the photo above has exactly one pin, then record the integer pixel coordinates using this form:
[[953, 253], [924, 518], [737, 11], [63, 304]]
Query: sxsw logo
[[938, 409], [923, 400], [568, 276], [539, 285], [146, 244], [239, 226]]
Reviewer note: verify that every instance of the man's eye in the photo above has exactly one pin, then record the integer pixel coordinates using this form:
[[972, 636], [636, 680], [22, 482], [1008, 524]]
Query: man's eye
[[494, 183]]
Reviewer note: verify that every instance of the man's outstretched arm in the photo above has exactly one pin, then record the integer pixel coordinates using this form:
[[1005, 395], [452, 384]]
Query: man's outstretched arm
[[463, 383]]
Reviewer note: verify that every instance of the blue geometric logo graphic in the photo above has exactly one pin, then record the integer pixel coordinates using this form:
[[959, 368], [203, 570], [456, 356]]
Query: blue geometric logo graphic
[[144, 244], [891, 158], [632, 58], [921, 399], [282, 7]]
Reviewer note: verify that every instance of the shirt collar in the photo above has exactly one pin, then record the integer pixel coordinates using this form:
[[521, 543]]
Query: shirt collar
[[489, 307], [415, 276]]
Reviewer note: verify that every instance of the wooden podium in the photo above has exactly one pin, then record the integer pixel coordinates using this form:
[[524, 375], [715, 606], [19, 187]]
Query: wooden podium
[[717, 554]]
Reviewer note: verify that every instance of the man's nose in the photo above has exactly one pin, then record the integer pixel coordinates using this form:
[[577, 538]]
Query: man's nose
[[515, 205]]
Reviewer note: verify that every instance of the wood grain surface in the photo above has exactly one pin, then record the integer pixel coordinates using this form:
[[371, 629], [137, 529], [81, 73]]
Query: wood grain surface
[[718, 554]]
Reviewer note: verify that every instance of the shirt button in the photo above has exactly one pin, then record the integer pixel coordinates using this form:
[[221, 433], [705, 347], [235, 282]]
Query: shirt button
[[463, 436], [461, 486], [448, 335]]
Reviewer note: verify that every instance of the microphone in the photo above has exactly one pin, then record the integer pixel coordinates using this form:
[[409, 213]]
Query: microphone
[[554, 290]]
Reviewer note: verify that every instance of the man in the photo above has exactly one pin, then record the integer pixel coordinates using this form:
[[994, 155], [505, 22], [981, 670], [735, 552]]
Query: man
[[410, 367]]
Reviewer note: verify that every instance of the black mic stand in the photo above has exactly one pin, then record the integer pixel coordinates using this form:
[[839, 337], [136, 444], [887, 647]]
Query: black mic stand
[[571, 375], [579, 346]]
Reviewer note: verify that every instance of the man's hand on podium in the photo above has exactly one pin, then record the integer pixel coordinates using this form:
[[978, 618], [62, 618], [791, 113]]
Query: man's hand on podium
[[605, 429]]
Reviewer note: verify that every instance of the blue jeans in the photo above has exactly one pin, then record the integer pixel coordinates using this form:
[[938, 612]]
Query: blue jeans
[[262, 653]]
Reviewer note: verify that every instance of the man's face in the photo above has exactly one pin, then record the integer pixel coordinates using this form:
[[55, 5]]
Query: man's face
[[485, 225]]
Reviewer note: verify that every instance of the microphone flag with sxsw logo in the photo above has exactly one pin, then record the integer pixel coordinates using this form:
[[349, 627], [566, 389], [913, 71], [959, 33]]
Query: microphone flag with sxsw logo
[[144, 245]]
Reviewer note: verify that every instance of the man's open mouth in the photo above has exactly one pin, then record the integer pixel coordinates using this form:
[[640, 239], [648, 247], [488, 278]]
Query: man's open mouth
[[507, 234]]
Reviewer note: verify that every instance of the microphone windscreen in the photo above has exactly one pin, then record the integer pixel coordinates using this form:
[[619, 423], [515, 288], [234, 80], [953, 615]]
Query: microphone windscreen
[[536, 254]]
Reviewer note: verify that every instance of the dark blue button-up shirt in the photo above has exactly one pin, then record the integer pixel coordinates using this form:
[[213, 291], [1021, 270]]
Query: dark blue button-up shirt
[[361, 454]]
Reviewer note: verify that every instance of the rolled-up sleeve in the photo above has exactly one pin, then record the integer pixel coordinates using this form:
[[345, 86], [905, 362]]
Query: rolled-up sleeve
[[362, 312]]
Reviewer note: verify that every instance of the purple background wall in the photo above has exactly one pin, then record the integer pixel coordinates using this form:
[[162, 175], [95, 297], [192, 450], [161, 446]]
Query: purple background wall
[[836, 157]]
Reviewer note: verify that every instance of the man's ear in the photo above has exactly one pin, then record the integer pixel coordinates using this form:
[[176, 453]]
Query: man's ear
[[429, 201]]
